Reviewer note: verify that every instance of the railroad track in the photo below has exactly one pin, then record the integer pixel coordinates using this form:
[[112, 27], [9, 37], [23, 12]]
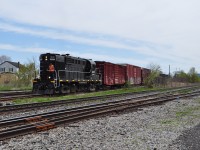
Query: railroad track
[[14, 93], [41, 122], [10, 98], [11, 95], [30, 106]]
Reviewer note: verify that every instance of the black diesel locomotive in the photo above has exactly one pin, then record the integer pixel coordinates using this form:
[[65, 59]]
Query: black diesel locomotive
[[65, 74]]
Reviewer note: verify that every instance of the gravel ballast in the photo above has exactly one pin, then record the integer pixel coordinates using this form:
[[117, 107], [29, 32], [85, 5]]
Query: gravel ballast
[[153, 127]]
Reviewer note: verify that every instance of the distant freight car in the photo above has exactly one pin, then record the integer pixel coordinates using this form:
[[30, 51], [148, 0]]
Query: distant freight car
[[133, 74], [145, 73], [111, 74]]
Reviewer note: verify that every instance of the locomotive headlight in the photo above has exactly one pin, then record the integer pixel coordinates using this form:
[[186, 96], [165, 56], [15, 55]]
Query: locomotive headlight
[[49, 77]]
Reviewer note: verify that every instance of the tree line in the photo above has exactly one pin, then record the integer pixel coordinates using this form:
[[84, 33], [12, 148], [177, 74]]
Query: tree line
[[157, 78], [25, 75]]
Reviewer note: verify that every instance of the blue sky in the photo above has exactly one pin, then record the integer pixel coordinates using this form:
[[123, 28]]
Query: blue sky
[[132, 31]]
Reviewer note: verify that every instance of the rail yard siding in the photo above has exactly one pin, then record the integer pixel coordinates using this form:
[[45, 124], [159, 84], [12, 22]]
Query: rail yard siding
[[156, 127]]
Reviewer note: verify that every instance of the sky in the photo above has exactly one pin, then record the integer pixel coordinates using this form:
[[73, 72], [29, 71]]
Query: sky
[[138, 32]]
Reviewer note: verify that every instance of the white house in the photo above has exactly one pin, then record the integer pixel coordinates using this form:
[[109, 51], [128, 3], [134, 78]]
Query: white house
[[8, 72], [9, 67]]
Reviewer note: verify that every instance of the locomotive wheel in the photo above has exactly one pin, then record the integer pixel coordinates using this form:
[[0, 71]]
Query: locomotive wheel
[[57, 91], [65, 89], [91, 88], [73, 88]]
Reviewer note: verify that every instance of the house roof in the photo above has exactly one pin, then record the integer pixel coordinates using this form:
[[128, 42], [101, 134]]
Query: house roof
[[16, 64]]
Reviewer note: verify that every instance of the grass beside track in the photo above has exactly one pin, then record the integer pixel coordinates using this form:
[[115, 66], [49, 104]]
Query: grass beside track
[[11, 88], [83, 95], [184, 115]]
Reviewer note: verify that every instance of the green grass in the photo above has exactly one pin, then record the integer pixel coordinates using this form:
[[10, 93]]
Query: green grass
[[191, 111], [187, 112], [169, 122], [198, 101], [5, 88], [75, 96], [9, 88]]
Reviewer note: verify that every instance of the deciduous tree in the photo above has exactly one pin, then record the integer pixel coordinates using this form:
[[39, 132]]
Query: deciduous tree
[[4, 58]]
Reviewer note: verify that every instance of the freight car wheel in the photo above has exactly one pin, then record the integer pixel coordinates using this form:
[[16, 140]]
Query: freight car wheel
[[65, 90]]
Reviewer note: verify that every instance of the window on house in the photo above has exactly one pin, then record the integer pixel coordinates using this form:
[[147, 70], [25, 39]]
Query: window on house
[[2, 69], [10, 69]]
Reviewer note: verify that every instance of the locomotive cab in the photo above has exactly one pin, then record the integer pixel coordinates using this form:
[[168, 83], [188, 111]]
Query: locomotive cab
[[48, 74]]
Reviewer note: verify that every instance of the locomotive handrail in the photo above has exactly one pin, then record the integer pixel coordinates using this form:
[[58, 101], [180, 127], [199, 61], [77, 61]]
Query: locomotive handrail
[[56, 83], [76, 76], [72, 71]]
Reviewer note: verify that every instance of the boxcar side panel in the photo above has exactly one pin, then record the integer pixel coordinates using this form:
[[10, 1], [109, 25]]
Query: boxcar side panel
[[112, 74], [133, 74], [119, 73]]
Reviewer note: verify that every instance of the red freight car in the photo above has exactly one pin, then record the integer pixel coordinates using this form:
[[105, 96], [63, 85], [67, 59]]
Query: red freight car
[[112, 74], [133, 74], [145, 73]]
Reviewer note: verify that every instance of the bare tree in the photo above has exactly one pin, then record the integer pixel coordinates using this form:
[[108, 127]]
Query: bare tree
[[4, 58]]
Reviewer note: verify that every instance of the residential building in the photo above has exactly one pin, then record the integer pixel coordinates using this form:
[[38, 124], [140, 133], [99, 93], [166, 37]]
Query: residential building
[[8, 71], [8, 66]]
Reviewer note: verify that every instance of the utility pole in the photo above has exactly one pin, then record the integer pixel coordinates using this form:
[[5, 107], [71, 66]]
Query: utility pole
[[170, 79]]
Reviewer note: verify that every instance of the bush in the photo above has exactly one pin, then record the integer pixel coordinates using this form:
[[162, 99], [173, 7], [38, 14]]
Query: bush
[[155, 72]]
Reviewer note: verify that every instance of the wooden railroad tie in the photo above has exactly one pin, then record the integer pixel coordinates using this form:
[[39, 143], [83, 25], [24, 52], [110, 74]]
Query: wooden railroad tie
[[41, 124]]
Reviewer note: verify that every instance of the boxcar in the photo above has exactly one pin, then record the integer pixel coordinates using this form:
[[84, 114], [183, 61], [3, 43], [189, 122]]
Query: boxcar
[[112, 74], [145, 73], [133, 74]]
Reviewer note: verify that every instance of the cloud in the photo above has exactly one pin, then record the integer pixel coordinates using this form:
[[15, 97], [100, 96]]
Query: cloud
[[146, 20], [80, 39], [172, 27], [141, 47], [95, 57]]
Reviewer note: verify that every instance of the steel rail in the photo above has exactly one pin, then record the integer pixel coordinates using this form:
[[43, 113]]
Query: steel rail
[[11, 108], [13, 93], [9, 98], [20, 120]]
